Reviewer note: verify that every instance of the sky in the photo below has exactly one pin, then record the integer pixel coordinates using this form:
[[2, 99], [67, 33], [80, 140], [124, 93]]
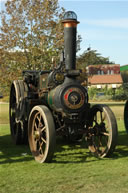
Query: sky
[[103, 26]]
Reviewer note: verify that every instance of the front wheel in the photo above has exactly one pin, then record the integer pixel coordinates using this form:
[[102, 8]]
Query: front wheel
[[102, 134], [41, 134]]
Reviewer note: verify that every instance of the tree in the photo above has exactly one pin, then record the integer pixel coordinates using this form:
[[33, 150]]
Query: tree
[[30, 34], [91, 57]]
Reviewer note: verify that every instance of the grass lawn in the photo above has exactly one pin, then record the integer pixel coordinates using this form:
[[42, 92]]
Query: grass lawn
[[4, 114], [73, 170]]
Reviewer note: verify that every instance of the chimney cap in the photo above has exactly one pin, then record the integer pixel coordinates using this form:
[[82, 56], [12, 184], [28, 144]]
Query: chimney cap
[[70, 15]]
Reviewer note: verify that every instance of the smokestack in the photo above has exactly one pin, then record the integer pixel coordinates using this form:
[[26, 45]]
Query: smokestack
[[70, 29]]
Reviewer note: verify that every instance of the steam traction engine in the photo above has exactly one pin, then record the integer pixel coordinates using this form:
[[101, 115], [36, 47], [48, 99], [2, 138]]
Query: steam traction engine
[[49, 103]]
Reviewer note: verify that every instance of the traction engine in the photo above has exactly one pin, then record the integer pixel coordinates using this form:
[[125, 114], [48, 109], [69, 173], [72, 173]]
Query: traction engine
[[49, 103]]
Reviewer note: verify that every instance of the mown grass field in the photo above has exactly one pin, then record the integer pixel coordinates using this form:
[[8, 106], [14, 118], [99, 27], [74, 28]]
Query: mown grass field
[[73, 170]]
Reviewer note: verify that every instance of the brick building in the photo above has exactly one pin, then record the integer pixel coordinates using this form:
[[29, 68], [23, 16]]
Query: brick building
[[101, 76], [103, 69]]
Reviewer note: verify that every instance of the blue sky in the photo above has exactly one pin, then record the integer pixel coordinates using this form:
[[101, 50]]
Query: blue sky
[[103, 26]]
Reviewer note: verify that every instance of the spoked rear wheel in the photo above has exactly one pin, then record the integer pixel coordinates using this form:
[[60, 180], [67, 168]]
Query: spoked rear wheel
[[18, 125], [15, 125], [102, 135], [41, 134]]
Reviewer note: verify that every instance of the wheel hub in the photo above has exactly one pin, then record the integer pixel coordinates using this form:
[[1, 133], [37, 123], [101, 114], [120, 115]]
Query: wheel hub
[[37, 135]]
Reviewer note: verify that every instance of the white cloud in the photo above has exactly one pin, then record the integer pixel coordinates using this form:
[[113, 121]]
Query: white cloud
[[113, 23]]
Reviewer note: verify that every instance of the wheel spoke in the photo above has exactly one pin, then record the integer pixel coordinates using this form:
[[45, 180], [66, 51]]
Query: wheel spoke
[[43, 140], [43, 129], [40, 147], [35, 126], [105, 133], [39, 117]]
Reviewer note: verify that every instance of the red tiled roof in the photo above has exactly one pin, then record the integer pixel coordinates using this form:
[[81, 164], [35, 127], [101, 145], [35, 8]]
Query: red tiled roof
[[105, 79]]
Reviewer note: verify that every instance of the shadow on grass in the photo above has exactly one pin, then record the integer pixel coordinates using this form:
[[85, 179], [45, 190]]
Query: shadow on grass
[[79, 152], [10, 153], [66, 152], [122, 145], [72, 152]]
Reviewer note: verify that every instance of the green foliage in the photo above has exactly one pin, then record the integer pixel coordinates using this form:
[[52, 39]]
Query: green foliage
[[91, 57], [124, 75], [101, 94], [109, 91], [31, 33], [92, 92], [118, 94], [121, 93], [34, 28]]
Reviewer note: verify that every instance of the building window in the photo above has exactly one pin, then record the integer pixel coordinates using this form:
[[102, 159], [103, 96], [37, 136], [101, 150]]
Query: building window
[[114, 86], [99, 86], [102, 72], [99, 72], [112, 72], [109, 71]]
